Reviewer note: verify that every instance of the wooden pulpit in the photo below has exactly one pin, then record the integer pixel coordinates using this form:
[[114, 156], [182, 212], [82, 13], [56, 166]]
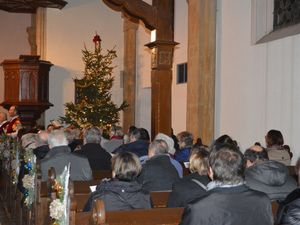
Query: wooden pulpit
[[26, 84]]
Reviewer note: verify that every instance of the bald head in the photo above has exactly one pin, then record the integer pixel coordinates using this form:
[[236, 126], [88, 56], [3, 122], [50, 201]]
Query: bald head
[[256, 148], [43, 137]]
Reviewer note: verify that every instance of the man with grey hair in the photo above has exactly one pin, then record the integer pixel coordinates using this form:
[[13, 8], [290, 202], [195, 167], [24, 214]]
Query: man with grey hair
[[98, 158], [158, 173], [171, 152], [60, 156]]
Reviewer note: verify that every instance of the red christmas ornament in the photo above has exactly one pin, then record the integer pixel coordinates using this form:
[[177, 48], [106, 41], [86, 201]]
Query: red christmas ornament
[[97, 41], [96, 38]]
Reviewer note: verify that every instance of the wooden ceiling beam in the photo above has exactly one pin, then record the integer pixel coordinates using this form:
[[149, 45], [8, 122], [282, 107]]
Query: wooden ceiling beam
[[30, 6], [135, 8]]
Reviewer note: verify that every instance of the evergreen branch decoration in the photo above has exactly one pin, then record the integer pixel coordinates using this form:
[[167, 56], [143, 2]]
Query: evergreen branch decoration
[[94, 106]]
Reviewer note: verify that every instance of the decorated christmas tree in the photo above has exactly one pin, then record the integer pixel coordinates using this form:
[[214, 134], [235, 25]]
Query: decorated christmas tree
[[93, 104]]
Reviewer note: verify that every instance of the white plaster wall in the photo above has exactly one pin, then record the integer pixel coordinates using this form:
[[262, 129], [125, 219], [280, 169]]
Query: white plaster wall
[[143, 79], [258, 84], [13, 40], [179, 91], [67, 32]]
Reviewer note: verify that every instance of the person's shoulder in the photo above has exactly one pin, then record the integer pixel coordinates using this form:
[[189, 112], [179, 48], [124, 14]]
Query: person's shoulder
[[202, 201], [78, 156], [258, 195]]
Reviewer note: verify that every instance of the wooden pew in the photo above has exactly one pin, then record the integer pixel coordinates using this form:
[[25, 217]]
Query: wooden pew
[[159, 199], [101, 174], [80, 187], [80, 199], [158, 216]]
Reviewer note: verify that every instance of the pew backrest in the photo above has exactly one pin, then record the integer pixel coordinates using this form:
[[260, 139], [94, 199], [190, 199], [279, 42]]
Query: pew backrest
[[159, 199], [101, 174], [158, 216]]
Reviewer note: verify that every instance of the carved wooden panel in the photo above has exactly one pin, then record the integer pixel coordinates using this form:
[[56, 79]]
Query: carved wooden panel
[[27, 86]]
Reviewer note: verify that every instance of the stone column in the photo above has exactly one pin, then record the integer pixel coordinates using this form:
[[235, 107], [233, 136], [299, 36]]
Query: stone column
[[129, 73], [201, 68], [41, 19]]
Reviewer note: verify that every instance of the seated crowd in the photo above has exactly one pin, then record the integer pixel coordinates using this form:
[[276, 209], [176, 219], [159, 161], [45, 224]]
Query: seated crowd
[[224, 185]]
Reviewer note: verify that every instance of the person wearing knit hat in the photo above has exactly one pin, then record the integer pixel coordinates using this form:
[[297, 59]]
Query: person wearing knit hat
[[171, 151], [168, 140]]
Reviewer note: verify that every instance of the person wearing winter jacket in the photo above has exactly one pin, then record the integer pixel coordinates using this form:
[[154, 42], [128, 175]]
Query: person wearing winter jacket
[[122, 192], [268, 176]]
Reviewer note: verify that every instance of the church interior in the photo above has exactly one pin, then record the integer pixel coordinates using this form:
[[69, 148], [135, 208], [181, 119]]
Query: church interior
[[210, 67], [252, 86]]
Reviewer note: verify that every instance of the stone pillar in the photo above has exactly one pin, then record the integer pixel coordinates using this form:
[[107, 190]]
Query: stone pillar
[[201, 68], [129, 73], [41, 16], [40, 40]]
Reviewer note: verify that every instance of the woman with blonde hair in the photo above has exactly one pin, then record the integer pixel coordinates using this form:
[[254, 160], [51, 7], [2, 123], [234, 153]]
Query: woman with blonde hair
[[192, 186]]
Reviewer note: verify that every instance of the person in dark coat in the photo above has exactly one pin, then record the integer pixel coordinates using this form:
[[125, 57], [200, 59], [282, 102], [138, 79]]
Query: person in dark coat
[[99, 159], [122, 192], [289, 209], [136, 145], [60, 156], [228, 200], [268, 176], [43, 148], [158, 173], [192, 186], [185, 141]]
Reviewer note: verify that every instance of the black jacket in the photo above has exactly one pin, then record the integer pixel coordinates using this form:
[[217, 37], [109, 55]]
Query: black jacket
[[120, 195], [272, 178], [289, 209], [99, 159], [139, 147], [158, 174], [230, 206], [187, 190], [41, 151]]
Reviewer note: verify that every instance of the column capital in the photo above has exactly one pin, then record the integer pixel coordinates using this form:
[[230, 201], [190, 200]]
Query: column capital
[[161, 54]]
